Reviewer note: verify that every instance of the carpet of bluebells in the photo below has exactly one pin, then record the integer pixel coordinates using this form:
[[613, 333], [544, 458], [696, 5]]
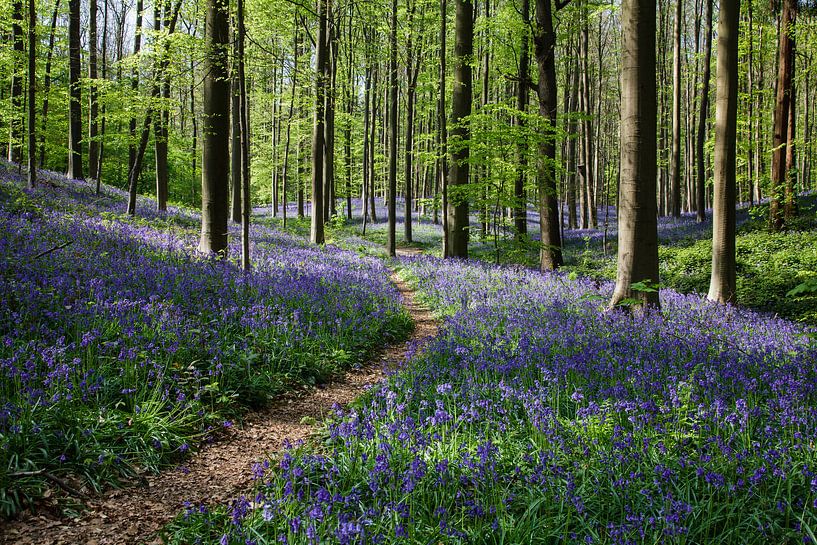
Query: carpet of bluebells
[[538, 416], [122, 347]]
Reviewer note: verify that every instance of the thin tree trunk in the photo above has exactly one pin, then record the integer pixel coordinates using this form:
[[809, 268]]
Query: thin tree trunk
[[93, 104], [676, 113], [137, 47], [329, 206], [104, 108], [293, 78], [75, 170], [318, 143], [412, 72], [587, 125], [47, 82], [32, 85], [522, 97], [235, 137], [700, 183], [391, 244], [442, 132], [779, 209], [245, 141], [16, 122]]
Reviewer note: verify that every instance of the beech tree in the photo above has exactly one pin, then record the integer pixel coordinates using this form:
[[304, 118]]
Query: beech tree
[[458, 170], [783, 198], [32, 103], [318, 134], [75, 92], [637, 224], [722, 286], [216, 131], [544, 39]]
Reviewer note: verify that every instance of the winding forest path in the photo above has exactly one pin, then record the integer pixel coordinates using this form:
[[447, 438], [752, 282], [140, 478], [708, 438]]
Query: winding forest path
[[221, 471]]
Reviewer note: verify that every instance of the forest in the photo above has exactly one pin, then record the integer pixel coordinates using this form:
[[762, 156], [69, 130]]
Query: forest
[[452, 271]]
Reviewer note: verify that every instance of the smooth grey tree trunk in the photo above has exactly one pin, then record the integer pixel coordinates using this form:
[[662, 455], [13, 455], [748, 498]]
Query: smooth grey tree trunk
[[722, 286], [637, 223]]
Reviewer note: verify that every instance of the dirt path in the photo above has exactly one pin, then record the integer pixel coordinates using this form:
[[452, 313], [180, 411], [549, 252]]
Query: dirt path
[[218, 472]]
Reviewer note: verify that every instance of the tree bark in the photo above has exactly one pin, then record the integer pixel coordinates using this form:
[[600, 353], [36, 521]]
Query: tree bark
[[544, 39], [47, 82], [137, 47], [235, 137], [216, 120], [522, 96], [457, 209], [32, 85], [75, 170], [93, 104], [703, 114], [442, 132], [391, 244], [784, 101], [318, 135], [16, 122], [412, 71], [245, 141], [722, 286], [676, 114], [637, 224]]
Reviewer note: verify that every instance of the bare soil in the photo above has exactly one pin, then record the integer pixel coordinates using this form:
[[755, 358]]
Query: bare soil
[[219, 471]]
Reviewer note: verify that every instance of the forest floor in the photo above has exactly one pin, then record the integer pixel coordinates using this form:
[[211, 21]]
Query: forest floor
[[221, 470]]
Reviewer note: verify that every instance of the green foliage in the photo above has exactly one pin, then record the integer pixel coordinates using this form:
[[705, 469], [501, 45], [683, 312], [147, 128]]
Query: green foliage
[[769, 266]]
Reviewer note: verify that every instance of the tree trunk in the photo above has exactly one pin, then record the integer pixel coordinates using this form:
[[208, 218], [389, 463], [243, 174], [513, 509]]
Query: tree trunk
[[350, 88], [104, 108], [235, 137], [570, 146], [329, 206], [587, 125], [391, 244], [700, 183], [676, 114], [137, 47], [722, 285], [544, 39], [160, 132], [16, 122], [457, 209], [318, 143], [216, 129], [47, 82], [93, 104], [244, 127], [367, 117], [32, 85], [412, 71], [442, 132], [75, 92], [637, 224], [372, 144], [780, 201], [139, 152], [293, 78], [522, 95]]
